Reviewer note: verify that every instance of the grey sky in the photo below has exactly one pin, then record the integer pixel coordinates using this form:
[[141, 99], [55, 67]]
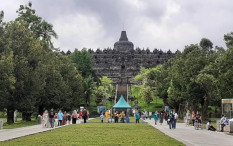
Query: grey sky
[[167, 24]]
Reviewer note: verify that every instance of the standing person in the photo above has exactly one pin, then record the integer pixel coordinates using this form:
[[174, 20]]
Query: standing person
[[171, 120], [222, 122], [161, 117], [45, 117], [193, 117], [64, 118], [74, 117], [156, 117], [84, 115], [175, 119], [60, 115], [116, 116], [122, 115], [166, 116], [137, 116], [102, 118], [107, 115], [188, 117], [150, 115], [51, 118]]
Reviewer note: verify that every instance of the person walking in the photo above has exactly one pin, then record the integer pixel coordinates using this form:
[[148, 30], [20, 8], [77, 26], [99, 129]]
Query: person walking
[[150, 115], [55, 120], [60, 115], [161, 117], [64, 118], [137, 116], [74, 117], [102, 118], [68, 118], [45, 120], [84, 115], [175, 119], [193, 117], [171, 120], [51, 118], [156, 117]]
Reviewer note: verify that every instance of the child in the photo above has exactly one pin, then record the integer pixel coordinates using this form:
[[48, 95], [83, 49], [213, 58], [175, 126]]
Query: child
[[102, 118]]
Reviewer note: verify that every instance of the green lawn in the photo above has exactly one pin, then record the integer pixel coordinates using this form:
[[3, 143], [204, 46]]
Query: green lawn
[[18, 124], [98, 134]]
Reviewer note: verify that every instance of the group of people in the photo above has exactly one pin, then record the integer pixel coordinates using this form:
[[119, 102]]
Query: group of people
[[51, 119], [123, 117]]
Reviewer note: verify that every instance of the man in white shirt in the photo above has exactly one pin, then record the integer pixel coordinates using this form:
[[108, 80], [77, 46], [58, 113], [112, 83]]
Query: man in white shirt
[[175, 118]]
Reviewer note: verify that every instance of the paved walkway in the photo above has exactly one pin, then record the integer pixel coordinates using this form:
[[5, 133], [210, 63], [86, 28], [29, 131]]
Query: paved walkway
[[8, 134], [189, 136]]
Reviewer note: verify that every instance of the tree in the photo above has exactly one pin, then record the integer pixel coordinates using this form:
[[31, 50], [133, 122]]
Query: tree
[[229, 39], [147, 95], [84, 62], [39, 27]]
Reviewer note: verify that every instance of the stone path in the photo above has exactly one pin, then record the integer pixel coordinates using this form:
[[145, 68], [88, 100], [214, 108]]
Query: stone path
[[8, 134], [191, 137]]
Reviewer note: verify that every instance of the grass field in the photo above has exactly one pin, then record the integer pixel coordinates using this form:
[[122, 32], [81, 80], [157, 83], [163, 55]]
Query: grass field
[[97, 120], [19, 123], [98, 134]]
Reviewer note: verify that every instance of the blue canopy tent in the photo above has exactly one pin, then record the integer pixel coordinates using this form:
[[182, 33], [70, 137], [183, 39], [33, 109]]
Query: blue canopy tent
[[121, 104]]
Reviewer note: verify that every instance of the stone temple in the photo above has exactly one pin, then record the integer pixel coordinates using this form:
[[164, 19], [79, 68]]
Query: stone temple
[[123, 62]]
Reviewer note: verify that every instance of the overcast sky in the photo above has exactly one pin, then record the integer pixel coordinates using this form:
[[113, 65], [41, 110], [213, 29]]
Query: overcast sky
[[162, 24]]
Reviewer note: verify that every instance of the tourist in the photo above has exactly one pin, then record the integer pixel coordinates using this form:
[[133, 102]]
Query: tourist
[[68, 118], [84, 115], [222, 122], [74, 117], [137, 117], [45, 120], [188, 117], [175, 119], [193, 117], [60, 115], [146, 114], [122, 115], [116, 116], [161, 117], [102, 118], [150, 115], [107, 115], [156, 117], [51, 118], [56, 120], [208, 125], [127, 118], [171, 120], [166, 117], [64, 118], [198, 120], [80, 114]]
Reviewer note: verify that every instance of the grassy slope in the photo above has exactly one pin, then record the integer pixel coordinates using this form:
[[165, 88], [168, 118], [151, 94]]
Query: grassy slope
[[98, 134], [153, 106]]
